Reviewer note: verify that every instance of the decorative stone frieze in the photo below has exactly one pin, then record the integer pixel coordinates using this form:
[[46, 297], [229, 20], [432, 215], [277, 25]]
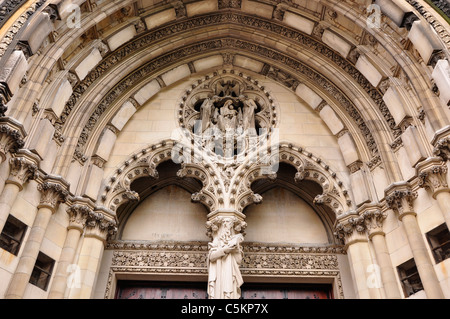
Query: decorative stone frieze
[[191, 258], [54, 190], [432, 174]]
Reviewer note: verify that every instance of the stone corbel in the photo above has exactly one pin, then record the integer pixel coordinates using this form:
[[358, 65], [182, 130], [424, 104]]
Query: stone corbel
[[441, 144]]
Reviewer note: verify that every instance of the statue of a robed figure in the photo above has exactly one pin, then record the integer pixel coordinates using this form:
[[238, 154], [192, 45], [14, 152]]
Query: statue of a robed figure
[[224, 258]]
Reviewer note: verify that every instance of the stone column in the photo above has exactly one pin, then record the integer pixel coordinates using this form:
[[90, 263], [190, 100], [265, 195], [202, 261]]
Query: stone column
[[23, 168], [432, 174], [351, 229], [78, 213], [53, 191], [400, 197], [374, 222], [11, 136], [225, 228], [99, 225]]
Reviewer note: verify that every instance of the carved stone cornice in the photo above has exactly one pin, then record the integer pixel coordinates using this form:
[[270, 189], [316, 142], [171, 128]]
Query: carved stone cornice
[[399, 197], [432, 174], [54, 190], [23, 167], [12, 134], [101, 224]]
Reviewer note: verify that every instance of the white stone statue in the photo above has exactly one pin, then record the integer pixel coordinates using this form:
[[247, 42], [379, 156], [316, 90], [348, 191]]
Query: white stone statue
[[206, 110], [227, 117], [224, 259], [248, 114]]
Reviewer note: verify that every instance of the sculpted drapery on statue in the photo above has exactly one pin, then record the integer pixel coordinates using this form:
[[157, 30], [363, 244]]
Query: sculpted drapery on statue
[[224, 257]]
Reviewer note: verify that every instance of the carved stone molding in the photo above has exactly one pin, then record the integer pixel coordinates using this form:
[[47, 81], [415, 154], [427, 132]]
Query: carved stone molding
[[23, 167], [399, 197], [11, 136], [230, 4], [432, 174], [182, 25], [54, 190], [191, 258]]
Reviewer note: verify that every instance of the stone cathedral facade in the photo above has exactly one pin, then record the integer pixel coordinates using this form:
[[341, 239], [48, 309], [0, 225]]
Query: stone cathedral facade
[[224, 149]]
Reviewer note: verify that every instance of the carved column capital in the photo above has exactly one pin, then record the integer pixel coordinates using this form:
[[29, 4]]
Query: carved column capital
[[23, 167], [101, 224], [373, 220], [400, 197], [78, 213], [432, 174], [350, 228], [53, 191], [11, 136]]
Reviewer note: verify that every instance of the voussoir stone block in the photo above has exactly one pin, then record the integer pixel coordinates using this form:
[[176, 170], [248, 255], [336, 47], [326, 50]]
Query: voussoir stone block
[[147, 91], [369, 71], [160, 18], [62, 95], [359, 187], [336, 42], [395, 104], [201, 7], [258, 8], [348, 149], [397, 11], [424, 39], [121, 37], [298, 22], [125, 113], [308, 95], [247, 63], [35, 33], [88, 63], [441, 76], [207, 63], [94, 182], [331, 120], [42, 137], [106, 144], [176, 74], [413, 145], [14, 70]]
